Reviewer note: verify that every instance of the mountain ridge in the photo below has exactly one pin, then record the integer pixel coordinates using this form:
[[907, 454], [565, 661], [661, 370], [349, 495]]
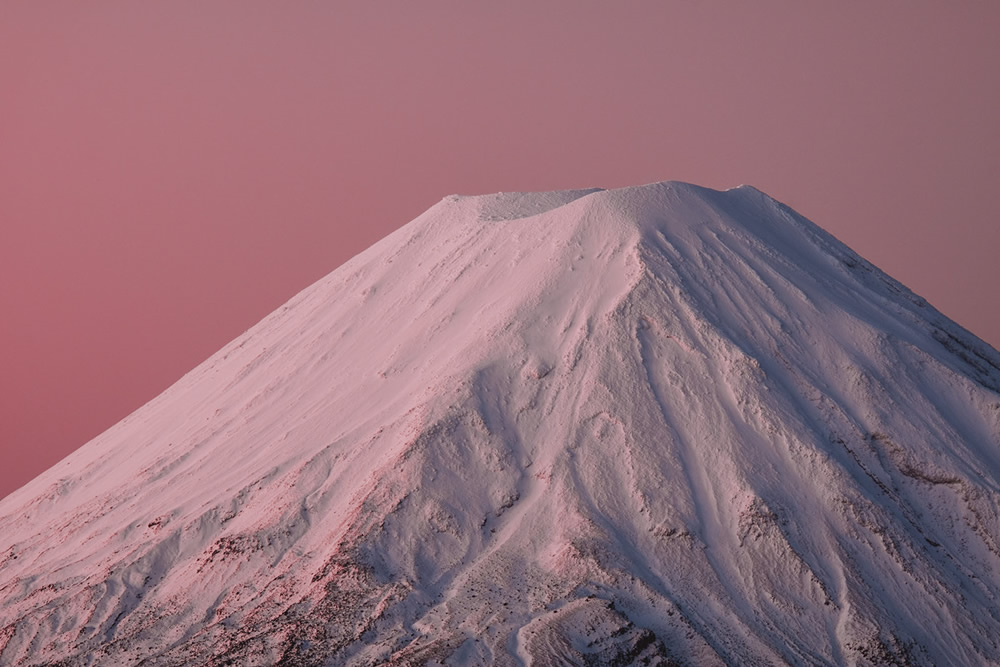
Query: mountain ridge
[[661, 423]]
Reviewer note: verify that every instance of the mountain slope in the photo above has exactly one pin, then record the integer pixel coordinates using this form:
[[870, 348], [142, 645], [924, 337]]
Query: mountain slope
[[651, 425]]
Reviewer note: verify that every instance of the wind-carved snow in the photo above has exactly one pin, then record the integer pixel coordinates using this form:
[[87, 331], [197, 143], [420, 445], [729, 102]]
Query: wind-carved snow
[[657, 425]]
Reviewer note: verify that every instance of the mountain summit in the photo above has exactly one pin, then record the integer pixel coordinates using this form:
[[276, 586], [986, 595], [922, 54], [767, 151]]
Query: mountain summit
[[654, 425]]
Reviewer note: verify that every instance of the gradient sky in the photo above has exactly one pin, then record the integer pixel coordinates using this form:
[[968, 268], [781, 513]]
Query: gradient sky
[[171, 172]]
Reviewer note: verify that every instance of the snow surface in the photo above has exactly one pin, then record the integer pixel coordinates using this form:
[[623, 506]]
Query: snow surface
[[654, 425]]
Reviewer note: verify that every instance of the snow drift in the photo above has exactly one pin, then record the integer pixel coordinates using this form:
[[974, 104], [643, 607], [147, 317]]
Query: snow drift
[[655, 425]]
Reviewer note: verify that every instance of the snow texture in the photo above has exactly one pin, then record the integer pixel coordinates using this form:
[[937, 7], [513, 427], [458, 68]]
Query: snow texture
[[654, 425]]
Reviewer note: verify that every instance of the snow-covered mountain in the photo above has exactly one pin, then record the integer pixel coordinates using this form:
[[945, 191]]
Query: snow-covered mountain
[[654, 425]]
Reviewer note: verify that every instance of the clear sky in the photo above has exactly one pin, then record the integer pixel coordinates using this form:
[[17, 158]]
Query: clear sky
[[171, 172]]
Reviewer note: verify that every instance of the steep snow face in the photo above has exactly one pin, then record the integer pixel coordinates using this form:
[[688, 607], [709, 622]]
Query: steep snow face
[[651, 425]]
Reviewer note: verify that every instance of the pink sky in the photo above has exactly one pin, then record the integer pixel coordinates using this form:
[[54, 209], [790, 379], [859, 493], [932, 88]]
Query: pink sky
[[171, 172]]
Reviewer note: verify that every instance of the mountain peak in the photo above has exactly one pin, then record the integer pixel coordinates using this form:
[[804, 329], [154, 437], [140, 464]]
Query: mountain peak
[[516, 205], [661, 423]]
